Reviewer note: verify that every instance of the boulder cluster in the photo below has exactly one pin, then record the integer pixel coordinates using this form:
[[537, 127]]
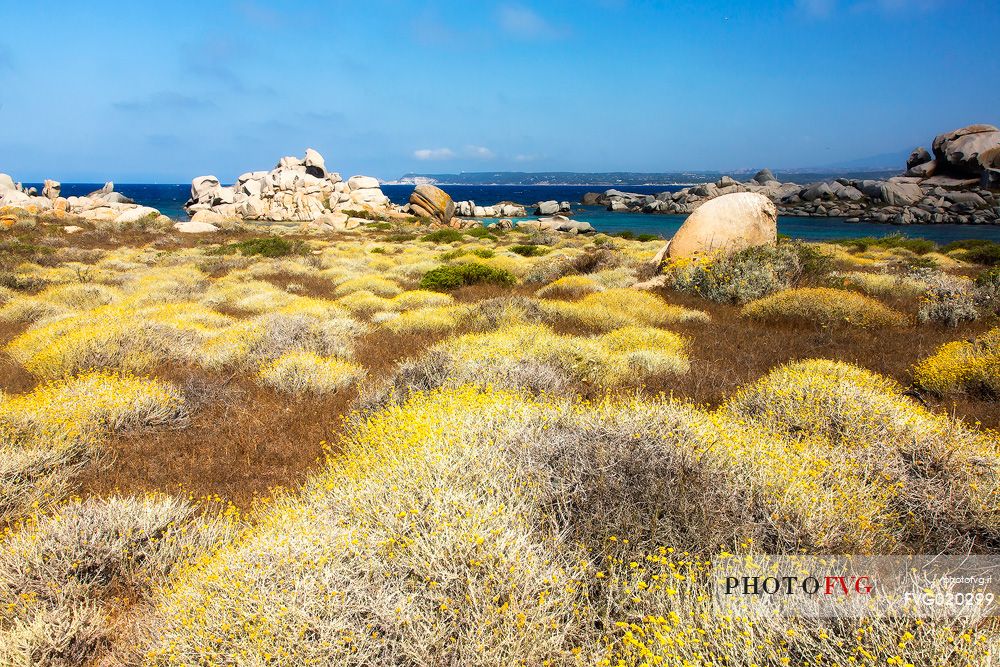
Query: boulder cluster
[[296, 189], [552, 207], [957, 185], [556, 223], [506, 209], [104, 205]]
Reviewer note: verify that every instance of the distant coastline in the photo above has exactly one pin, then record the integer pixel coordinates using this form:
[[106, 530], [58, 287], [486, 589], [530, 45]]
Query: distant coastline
[[624, 178]]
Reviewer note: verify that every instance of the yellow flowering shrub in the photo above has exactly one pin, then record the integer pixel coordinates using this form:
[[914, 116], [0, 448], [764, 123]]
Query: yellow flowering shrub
[[614, 308], [535, 357], [251, 296], [963, 366], [298, 372], [48, 434], [363, 301], [823, 306], [369, 283], [571, 286], [427, 319], [306, 325], [57, 571], [110, 337], [525, 531], [940, 477], [882, 284]]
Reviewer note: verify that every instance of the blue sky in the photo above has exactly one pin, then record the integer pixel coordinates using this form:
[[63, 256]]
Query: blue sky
[[137, 91]]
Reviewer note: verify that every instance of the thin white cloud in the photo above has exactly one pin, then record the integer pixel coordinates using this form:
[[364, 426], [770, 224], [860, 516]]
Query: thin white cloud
[[480, 152], [524, 22], [434, 154], [524, 157]]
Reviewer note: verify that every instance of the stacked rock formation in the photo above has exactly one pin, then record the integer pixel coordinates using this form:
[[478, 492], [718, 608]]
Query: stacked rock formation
[[428, 201], [296, 189]]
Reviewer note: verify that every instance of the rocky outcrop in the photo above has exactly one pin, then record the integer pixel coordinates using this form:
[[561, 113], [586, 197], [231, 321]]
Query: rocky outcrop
[[968, 151], [101, 206], [505, 209], [432, 202], [295, 190], [967, 162], [726, 224]]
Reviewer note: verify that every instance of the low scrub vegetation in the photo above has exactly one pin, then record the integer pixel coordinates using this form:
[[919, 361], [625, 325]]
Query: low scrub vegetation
[[749, 274], [452, 452], [269, 246], [298, 372], [550, 558], [964, 366], [825, 307], [446, 278]]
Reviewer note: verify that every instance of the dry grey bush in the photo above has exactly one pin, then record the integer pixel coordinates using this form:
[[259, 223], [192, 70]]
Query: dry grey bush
[[437, 368], [55, 570], [949, 474], [29, 477]]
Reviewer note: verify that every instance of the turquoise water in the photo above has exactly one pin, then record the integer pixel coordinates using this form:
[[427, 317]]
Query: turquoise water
[[810, 229], [170, 198]]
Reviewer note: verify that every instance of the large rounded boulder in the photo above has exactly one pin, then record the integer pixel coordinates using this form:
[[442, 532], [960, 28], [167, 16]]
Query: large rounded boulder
[[431, 202], [727, 224], [966, 150]]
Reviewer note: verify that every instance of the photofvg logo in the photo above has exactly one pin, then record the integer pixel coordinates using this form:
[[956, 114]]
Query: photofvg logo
[[857, 586]]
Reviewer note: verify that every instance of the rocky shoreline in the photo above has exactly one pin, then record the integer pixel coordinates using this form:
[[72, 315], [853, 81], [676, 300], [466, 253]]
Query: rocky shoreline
[[959, 184]]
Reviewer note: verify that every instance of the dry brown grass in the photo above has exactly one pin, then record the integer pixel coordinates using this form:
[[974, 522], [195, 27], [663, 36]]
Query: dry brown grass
[[243, 442], [730, 351]]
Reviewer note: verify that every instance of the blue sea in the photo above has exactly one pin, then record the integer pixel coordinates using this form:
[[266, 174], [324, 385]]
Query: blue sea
[[169, 199]]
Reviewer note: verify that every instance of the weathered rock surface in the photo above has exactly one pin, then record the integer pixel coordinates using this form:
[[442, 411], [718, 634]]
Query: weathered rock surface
[[296, 190], [728, 223], [967, 150], [192, 227], [432, 202], [51, 189], [918, 157]]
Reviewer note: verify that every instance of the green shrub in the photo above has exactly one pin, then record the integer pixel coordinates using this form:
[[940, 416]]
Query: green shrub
[[485, 253], [987, 254], [453, 254], [632, 236], [400, 238], [480, 233], [529, 250], [379, 250], [266, 246], [990, 278], [443, 236], [916, 246], [452, 277], [381, 226]]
